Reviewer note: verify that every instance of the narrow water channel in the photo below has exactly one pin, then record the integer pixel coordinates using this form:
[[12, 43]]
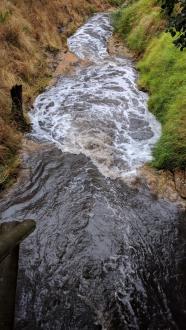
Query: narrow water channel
[[105, 255]]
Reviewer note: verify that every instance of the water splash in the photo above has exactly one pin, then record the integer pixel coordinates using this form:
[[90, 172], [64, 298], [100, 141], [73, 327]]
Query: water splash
[[90, 41], [98, 111]]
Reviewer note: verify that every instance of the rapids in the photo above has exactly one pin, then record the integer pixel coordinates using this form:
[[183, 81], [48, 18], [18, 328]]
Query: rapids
[[98, 111], [105, 255]]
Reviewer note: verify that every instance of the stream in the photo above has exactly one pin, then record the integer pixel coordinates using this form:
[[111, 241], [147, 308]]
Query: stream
[[106, 255]]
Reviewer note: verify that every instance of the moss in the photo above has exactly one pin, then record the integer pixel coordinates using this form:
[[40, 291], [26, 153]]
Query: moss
[[162, 72]]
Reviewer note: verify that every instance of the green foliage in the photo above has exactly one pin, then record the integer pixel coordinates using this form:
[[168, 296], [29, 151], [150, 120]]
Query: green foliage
[[162, 72], [176, 12]]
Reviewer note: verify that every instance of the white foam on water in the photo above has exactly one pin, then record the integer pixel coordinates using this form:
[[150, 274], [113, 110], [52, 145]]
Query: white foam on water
[[98, 111], [90, 41]]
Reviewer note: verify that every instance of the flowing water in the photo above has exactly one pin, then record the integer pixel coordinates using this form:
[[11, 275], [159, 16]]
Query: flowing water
[[98, 111], [105, 255]]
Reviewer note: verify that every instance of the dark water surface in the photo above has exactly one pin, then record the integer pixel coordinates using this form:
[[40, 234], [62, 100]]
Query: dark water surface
[[104, 255]]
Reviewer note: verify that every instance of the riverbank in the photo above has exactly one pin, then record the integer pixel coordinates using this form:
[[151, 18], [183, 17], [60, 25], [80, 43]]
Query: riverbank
[[162, 70], [31, 37], [170, 185]]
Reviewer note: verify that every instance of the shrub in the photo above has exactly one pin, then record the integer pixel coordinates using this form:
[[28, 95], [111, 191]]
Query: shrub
[[176, 12]]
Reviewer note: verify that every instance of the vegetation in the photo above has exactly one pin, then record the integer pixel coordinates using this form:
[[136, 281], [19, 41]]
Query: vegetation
[[162, 72], [30, 34], [176, 12], [115, 2]]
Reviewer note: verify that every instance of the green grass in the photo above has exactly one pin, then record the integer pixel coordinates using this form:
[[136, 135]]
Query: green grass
[[139, 23], [162, 72], [4, 16]]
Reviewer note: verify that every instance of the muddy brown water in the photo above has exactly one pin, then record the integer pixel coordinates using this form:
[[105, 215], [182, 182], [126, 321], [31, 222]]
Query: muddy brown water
[[105, 254]]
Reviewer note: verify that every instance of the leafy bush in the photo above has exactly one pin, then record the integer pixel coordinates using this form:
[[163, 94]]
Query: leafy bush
[[176, 12]]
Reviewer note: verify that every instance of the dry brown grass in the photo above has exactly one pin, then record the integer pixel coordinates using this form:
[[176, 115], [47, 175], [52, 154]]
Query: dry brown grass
[[28, 32]]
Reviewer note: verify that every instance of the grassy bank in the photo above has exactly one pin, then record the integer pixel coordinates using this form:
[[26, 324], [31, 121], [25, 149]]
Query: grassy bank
[[162, 72], [30, 33]]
